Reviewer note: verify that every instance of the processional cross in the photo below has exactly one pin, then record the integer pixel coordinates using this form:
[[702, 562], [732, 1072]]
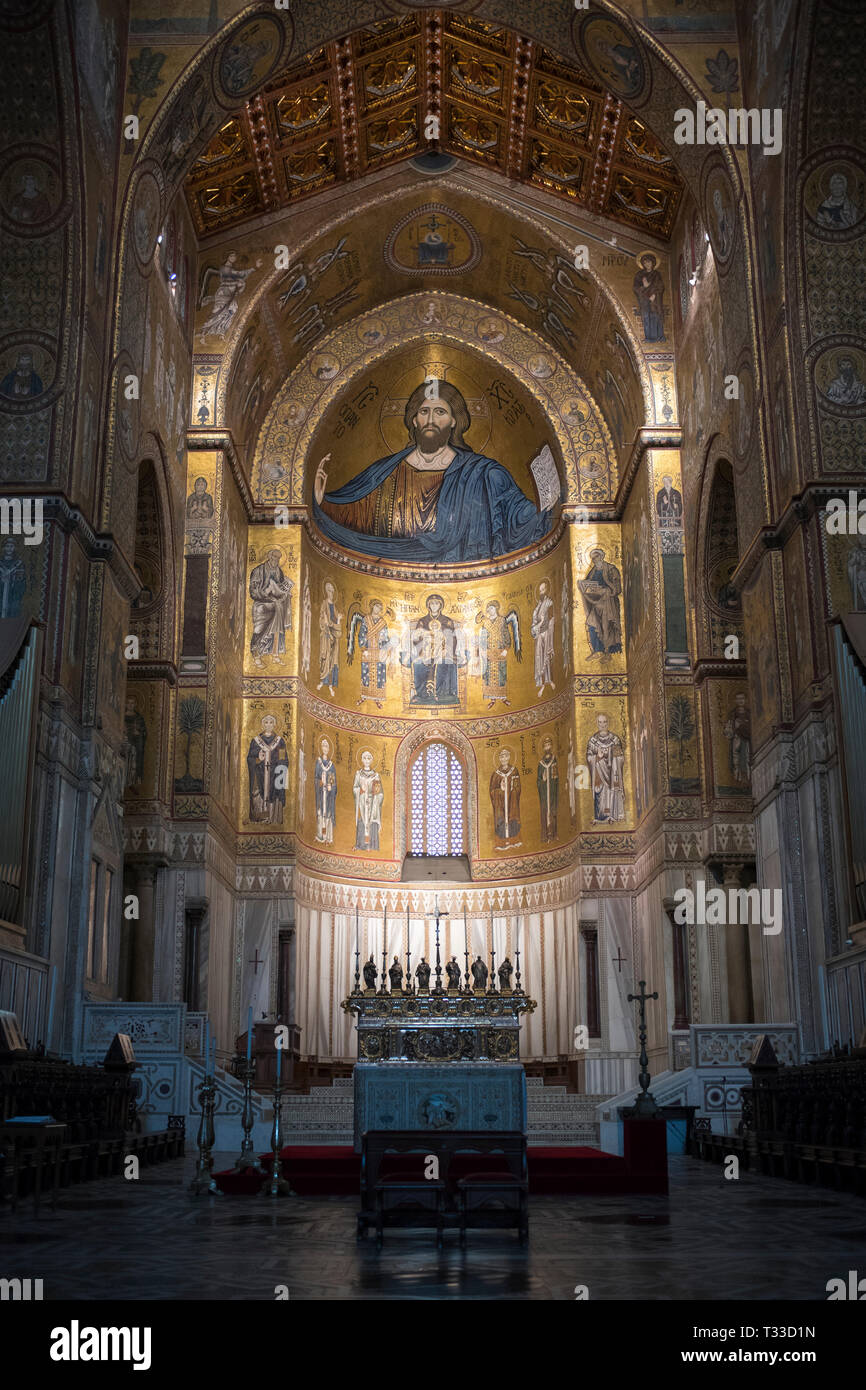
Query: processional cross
[[645, 1103], [254, 961]]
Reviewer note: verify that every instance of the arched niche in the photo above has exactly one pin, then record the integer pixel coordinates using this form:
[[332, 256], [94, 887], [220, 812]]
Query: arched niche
[[573, 312], [335, 383], [717, 552], [450, 734], [152, 610]]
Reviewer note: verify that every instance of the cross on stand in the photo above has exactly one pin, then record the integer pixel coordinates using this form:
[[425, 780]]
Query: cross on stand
[[255, 962], [645, 1103]]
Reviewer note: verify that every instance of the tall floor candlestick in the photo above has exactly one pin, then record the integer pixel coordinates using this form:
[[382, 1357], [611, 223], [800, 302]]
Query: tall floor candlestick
[[249, 1032], [203, 1180], [382, 989], [276, 1185], [248, 1158]]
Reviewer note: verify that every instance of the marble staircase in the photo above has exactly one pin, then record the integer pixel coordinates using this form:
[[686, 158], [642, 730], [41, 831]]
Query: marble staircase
[[556, 1117]]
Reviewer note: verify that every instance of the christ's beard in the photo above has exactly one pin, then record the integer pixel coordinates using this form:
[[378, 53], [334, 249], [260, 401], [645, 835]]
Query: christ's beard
[[431, 438]]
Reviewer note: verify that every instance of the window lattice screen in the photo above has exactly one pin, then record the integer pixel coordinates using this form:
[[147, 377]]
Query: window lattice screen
[[436, 795]]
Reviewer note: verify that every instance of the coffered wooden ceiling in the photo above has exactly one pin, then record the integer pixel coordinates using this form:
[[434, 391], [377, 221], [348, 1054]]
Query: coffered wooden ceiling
[[502, 101]]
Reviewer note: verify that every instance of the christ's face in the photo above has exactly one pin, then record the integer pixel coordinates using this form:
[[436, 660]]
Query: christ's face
[[433, 424], [846, 369], [838, 186]]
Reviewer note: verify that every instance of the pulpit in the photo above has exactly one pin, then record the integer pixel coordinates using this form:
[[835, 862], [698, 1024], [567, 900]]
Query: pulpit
[[264, 1053]]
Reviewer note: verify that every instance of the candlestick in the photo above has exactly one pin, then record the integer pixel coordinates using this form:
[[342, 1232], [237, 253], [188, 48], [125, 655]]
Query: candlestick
[[248, 1159], [279, 1056], [466, 955], [213, 1055], [438, 958], [206, 1048], [276, 1185], [203, 1180], [249, 1032], [382, 989], [492, 986]]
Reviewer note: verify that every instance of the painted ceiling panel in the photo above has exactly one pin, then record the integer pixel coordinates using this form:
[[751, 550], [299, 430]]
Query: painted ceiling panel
[[500, 100]]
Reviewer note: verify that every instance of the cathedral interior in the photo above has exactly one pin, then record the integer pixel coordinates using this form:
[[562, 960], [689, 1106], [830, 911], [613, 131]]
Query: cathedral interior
[[430, 544]]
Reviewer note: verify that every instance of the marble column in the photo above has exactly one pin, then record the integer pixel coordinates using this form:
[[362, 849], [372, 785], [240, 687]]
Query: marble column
[[143, 935], [593, 1013], [737, 957]]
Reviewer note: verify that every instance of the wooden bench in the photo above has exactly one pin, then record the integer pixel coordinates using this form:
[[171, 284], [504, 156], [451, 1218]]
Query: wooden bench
[[482, 1180]]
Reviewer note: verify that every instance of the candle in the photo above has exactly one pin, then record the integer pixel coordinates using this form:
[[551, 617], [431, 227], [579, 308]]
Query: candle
[[279, 1042], [249, 1032]]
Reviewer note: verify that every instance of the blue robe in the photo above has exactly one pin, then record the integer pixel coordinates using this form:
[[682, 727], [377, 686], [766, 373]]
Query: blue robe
[[480, 512]]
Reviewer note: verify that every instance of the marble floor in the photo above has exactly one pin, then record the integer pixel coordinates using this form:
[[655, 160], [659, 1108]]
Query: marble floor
[[756, 1238]]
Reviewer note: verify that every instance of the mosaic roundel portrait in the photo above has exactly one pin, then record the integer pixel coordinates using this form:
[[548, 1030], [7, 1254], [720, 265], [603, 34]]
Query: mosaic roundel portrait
[[835, 200], [435, 456], [146, 217], [30, 194], [26, 372], [840, 375], [613, 56], [720, 215], [249, 56]]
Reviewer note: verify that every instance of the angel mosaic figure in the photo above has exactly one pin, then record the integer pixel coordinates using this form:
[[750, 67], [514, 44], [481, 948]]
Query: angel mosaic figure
[[369, 632], [231, 284], [497, 636]]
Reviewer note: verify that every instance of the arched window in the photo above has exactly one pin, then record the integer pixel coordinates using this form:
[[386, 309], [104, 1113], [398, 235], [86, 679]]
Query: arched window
[[437, 802]]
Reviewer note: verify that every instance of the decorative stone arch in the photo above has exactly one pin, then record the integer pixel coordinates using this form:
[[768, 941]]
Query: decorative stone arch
[[198, 101], [719, 453], [446, 334], [164, 606], [250, 307], [437, 731]]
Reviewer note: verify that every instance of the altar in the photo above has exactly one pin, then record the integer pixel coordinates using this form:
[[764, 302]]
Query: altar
[[439, 1098]]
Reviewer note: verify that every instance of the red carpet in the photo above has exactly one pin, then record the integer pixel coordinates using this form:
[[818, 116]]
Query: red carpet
[[335, 1171]]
